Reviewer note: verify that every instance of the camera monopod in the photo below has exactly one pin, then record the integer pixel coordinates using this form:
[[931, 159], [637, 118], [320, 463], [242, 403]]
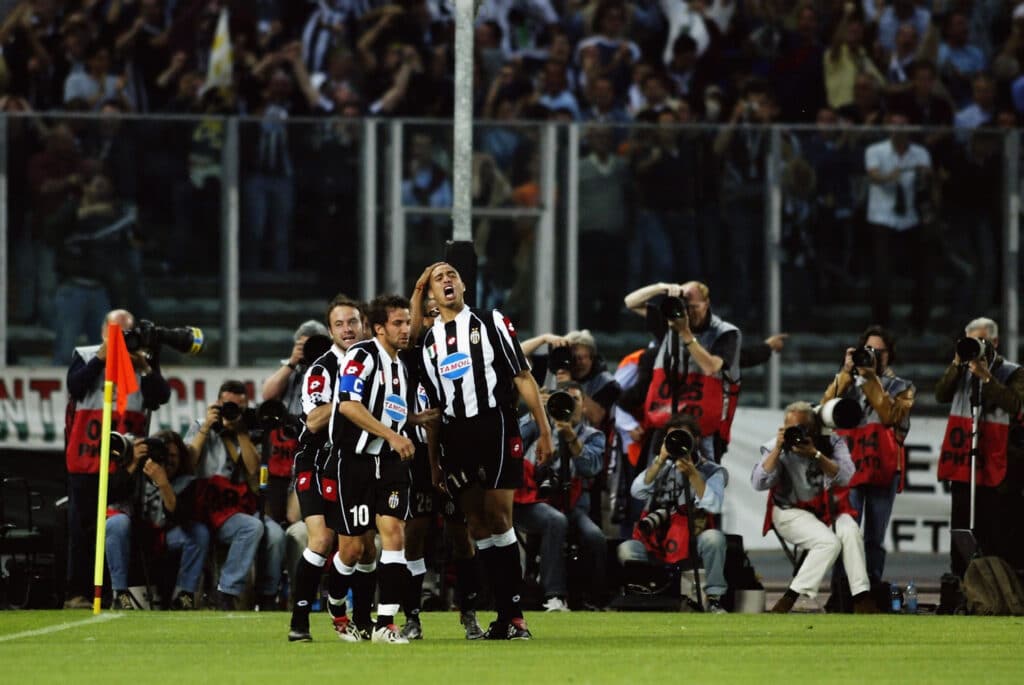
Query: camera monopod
[[692, 539]]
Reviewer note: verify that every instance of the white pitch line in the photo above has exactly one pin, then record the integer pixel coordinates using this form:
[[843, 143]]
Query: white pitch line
[[102, 618]]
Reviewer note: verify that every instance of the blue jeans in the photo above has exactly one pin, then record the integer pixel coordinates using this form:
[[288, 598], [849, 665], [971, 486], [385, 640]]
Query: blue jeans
[[542, 519], [267, 202], [247, 535], [192, 541], [875, 522], [711, 547], [80, 310]]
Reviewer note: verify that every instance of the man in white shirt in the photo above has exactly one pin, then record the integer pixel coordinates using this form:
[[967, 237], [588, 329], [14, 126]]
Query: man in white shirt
[[898, 172]]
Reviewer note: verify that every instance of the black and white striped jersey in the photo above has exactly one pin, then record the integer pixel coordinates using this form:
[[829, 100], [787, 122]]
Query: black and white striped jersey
[[369, 375], [318, 386], [413, 359], [470, 362]]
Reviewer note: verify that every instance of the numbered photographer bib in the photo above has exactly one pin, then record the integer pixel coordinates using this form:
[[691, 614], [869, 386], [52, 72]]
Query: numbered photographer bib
[[706, 398], [875, 454]]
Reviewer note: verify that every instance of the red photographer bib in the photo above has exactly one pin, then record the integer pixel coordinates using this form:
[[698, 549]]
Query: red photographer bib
[[671, 543]]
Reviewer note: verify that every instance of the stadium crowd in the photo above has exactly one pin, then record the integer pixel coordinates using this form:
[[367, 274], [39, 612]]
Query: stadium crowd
[[686, 197]]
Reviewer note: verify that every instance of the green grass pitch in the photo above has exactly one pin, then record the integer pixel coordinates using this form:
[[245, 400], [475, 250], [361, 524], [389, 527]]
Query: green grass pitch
[[210, 647]]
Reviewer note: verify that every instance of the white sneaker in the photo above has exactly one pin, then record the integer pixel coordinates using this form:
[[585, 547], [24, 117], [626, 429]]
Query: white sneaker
[[389, 635], [555, 604], [346, 629]]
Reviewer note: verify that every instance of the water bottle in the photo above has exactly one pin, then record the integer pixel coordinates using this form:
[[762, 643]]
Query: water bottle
[[895, 598], [264, 476], [910, 598]]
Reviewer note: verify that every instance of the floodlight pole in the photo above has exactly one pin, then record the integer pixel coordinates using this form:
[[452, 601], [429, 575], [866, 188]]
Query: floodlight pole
[[462, 157]]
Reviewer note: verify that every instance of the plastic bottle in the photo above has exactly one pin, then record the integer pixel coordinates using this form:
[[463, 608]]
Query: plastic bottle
[[895, 598], [910, 598]]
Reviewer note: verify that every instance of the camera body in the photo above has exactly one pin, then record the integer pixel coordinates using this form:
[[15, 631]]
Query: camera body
[[267, 416], [122, 450], [147, 335], [673, 308], [864, 357], [974, 349], [548, 482], [560, 359], [793, 436]]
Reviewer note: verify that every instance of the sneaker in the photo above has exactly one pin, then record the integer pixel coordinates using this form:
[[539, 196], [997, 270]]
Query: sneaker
[[498, 630], [412, 630], [469, 622], [299, 636], [517, 630], [226, 602], [78, 602], [185, 601], [714, 606], [267, 603], [555, 604], [123, 601], [365, 631], [388, 635], [346, 629]]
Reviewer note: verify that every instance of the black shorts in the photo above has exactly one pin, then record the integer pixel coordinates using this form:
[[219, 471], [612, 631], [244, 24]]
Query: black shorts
[[308, 490], [359, 487], [486, 449]]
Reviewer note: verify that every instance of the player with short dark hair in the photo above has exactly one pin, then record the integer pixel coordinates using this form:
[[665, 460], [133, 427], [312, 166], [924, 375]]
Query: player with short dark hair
[[476, 369], [369, 459]]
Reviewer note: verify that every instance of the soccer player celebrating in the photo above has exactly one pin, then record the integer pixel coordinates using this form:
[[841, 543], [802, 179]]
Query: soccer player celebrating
[[474, 368]]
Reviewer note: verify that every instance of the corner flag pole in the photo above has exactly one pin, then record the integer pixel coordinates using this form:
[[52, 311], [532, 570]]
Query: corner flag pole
[[101, 505]]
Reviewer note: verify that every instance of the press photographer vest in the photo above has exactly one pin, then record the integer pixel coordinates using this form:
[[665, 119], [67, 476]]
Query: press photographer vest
[[282, 449], [877, 454], [83, 421], [219, 498], [671, 543], [993, 430], [801, 485], [711, 399]]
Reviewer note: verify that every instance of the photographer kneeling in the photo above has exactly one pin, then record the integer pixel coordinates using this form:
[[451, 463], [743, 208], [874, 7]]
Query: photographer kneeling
[[800, 467], [151, 503], [663, 531], [540, 503]]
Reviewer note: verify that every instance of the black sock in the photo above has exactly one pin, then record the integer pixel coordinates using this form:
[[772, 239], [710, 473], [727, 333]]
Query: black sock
[[467, 582], [507, 563], [489, 563], [364, 583], [307, 580], [337, 590], [392, 588], [414, 595], [792, 594]]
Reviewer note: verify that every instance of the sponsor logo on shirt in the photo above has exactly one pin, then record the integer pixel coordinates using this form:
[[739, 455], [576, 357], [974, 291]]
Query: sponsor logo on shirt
[[509, 327], [315, 384], [455, 365], [395, 408]]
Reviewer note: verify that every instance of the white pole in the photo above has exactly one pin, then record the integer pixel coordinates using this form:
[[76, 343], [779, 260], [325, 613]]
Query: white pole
[[462, 156]]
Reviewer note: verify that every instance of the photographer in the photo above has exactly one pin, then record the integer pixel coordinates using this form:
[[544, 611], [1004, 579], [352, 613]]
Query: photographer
[[978, 367], [707, 357], [285, 385], [548, 506], [227, 461], [876, 445], [799, 468], [83, 421], [663, 532], [150, 503], [575, 357]]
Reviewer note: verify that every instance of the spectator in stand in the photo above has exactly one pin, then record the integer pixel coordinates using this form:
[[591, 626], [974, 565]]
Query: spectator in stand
[[608, 52], [96, 84], [894, 15], [959, 61], [925, 106], [554, 89], [798, 72], [533, 17], [846, 58], [144, 49], [982, 107], [603, 107], [603, 222], [900, 61], [658, 93], [867, 108], [683, 19]]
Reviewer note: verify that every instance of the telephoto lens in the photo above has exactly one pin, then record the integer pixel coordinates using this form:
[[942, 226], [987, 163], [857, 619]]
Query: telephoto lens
[[971, 349], [673, 308], [793, 436], [561, 405], [679, 443], [863, 357]]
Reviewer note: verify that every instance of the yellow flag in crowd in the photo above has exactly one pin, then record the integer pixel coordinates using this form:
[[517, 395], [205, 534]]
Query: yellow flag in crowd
[[218, 73]]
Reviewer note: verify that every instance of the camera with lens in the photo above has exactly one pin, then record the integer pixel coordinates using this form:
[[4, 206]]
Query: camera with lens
[[793, 436], [232, 411], [973, 349], [654, 520], [679, 444], [864, 357], [672, 307], [315, 347], [560, 359], [147, 335], [842, 413], [273, 414], [561, 405], [122, 450]]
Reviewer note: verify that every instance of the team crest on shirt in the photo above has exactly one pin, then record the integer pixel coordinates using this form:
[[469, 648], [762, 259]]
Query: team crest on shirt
[[393, 500], [455, 365], [474, 336], [395, 407]]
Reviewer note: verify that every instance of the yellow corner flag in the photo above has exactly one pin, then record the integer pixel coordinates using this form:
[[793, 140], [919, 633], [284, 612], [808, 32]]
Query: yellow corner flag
[[119, 372], [221, 66]]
